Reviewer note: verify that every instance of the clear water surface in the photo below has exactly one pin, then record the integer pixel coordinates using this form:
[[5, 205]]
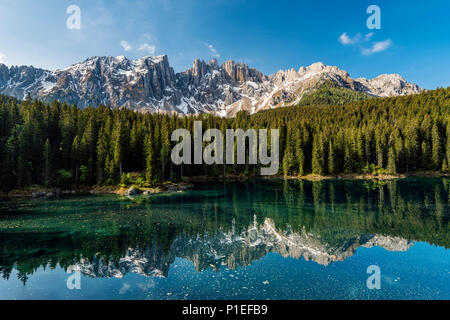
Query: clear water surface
[[259, 239]]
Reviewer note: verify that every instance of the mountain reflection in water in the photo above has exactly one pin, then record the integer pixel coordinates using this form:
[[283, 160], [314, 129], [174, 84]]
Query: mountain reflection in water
[[221, 224]]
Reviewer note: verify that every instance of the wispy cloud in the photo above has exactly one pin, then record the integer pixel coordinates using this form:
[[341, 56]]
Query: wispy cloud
[[146, 46], [346, 40], [150, 49], [368, 36], [213, 50], [125, 45], [2, 58], [378, 47]]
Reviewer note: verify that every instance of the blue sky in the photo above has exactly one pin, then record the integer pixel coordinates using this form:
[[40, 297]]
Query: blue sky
[[413, 40]]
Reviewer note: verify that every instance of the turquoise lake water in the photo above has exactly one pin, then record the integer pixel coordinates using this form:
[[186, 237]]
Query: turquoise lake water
[[259, 239]]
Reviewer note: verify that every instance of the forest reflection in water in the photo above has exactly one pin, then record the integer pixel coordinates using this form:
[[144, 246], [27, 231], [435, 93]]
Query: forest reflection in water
[[228, 224]]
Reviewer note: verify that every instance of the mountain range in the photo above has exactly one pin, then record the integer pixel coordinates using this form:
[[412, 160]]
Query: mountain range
[[150, 84]]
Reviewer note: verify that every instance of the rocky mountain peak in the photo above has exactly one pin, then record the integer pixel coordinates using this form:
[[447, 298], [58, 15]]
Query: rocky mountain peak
[[214, 63], [240, 72], [388, 85], [316, 67], [200, 68]]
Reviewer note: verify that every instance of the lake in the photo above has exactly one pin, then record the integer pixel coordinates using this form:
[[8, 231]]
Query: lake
[[258, 239]]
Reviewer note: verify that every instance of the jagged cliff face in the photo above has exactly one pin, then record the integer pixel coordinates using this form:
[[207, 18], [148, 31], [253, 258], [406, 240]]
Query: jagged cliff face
[[234, 249], [150, 84]]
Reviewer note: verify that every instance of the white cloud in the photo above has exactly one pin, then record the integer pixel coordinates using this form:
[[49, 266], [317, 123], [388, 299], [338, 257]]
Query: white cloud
[[2, 58], [150, 49], [359, 41], [213, 50], [368, 36], [382, 45], [378, 47], [125, 45], [346, 40]]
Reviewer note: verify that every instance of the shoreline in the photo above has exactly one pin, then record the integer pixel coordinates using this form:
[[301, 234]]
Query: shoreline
[[314, 177], [380, 177], [39, 192]]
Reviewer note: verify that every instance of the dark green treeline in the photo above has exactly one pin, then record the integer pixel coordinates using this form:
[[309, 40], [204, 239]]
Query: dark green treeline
[[60, 145]]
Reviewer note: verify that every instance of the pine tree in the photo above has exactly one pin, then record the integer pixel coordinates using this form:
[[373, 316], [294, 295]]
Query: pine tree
[[425, 156], [318, 156], [448, 146], [9, 164], [412, 146], [87, 144], [24, 165], [47, 163], [67, 127], [348, 162], [118, 145], [76, 152], [102, 154], [301, 161], [288, 161], [223, 129], [331, 161], [360, 147], [445, 167], [136, 147], [165, 149], [149, 171], [288, 157], [379, 148], [391, 166], [436, 153]]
